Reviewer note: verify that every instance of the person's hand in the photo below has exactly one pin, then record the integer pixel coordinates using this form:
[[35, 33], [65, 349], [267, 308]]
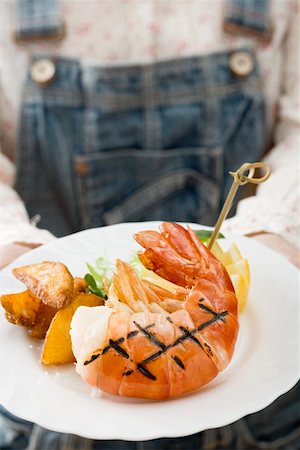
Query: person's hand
[[282, 246], [8, 253]]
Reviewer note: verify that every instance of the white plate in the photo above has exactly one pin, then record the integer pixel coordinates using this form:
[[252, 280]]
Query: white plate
[[264, 366]]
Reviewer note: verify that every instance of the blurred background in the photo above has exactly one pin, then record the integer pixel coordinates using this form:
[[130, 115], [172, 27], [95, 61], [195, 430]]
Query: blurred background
[[133, 110]]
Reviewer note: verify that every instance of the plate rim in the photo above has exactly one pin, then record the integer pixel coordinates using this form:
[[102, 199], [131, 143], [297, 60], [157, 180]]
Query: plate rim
[[150, 436]]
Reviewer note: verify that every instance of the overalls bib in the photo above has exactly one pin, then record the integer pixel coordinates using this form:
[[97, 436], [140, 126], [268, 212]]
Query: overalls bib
[[104, 145], [154, 142]]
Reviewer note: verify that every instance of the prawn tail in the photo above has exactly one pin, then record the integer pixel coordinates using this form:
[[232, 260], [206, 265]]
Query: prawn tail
[[140, 295], [215, 271]]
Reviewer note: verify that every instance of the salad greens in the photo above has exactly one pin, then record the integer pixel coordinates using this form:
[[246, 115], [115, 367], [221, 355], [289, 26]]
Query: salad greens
[[205, 235], [95, 276], [136, 264]]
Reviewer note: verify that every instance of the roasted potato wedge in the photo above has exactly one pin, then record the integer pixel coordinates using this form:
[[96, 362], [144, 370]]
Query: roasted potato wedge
[[21, 308], [58, 346], [42, 321], [80, 285], [50, 281], [27, 310]]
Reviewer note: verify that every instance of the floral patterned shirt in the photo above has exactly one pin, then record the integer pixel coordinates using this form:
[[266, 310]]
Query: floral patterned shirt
[[142, 31]]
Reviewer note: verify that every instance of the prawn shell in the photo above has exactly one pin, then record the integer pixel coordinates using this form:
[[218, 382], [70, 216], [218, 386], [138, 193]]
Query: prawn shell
[[218, 327], [215, 272], [113, 360], [189, 366], [179, 238], [161, 355], [219, 300], [153, 334]]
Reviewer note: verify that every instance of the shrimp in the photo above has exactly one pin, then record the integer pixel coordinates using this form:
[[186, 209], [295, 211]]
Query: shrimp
[[164, 344]]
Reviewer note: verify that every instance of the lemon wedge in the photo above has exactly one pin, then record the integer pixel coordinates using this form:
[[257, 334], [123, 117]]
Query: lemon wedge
[[152, 277], [234, 253], [241, 267], [241, 288], [223, 257], [238, 270]]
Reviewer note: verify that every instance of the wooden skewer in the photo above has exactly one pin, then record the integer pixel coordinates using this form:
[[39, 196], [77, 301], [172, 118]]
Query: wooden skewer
[[239, 179]]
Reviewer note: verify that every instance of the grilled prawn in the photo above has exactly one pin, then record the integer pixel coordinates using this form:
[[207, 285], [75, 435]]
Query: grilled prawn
[[147, 342]]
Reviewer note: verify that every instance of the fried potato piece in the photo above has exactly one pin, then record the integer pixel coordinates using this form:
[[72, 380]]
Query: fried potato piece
[[80, 285], [27, 310], [21, 308], [42, 321], [49, 281], [58, 346]]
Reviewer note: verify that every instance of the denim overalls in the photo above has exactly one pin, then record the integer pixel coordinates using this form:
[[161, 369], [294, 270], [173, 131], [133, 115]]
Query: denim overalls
[[154, 142]]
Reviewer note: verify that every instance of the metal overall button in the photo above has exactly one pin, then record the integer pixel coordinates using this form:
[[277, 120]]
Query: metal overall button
[[43, 71], [241, 63], [82, 168]]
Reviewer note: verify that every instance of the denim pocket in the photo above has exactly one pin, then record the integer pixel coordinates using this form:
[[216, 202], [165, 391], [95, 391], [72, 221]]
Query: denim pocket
[[242, 128], [138, 185]]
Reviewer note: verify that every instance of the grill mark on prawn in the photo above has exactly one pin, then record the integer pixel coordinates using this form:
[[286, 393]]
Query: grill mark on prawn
[[208, 349], [150, 336], [214, 313], [118, 349], [187, 334], [153, 357], [218, 316], [146, 372], [178, 361], [121, 340], [117, 342], [132, 334], [93, 357]]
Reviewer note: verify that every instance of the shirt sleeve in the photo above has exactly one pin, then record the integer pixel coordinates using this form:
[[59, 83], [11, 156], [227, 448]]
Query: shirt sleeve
[[15, 225], [275, 207]]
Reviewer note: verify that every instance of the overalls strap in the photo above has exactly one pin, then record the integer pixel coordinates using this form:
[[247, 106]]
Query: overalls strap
[[38, 20], [41, 19], [249, 18]]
